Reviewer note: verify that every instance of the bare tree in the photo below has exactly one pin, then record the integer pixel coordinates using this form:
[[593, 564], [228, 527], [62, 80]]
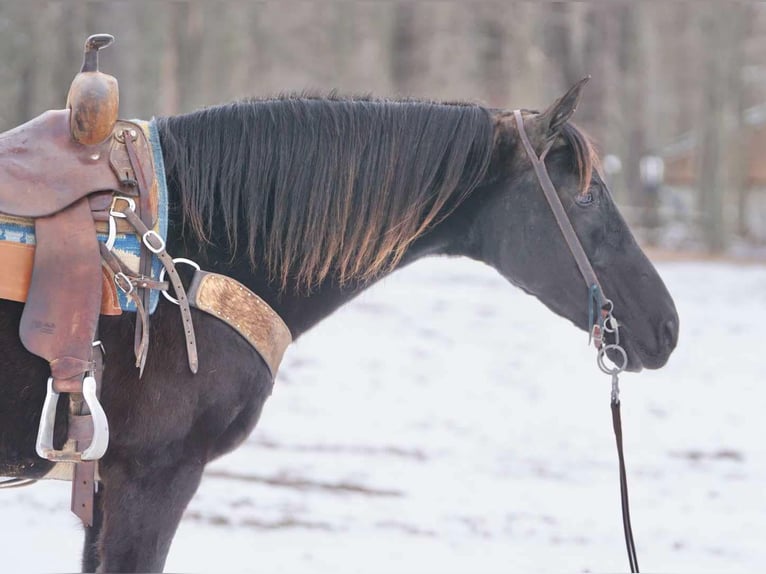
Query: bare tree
[[716, 27], [659, 69]]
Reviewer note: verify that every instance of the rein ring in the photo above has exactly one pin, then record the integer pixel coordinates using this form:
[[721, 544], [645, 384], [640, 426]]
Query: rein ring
[[617, 367], [162, 276]]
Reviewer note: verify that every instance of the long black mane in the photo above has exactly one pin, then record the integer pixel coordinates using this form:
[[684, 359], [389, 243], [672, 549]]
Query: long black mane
[[325, 186]]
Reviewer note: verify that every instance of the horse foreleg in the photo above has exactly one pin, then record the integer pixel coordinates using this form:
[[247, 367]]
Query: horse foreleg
[[141, 511], [90, 557]]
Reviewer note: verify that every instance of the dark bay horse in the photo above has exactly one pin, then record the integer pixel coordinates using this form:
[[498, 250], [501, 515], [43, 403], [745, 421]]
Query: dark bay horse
[[307, 201]]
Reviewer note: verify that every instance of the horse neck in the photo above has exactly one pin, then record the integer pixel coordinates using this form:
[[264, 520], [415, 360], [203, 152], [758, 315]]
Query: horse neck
[[302, 310]]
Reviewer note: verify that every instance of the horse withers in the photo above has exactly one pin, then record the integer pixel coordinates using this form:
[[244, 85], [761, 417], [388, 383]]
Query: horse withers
[[306, 202]]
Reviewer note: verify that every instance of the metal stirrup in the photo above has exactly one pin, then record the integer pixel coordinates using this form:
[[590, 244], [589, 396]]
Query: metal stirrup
[[100, 440]]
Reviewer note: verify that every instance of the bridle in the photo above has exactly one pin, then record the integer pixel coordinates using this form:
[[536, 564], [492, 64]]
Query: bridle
[[600, 320]]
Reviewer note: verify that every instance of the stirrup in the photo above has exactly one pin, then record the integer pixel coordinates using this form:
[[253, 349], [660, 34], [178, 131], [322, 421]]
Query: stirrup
[[98, 444]]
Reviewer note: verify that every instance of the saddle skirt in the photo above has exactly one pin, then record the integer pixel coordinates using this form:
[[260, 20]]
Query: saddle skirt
[[17, 242]]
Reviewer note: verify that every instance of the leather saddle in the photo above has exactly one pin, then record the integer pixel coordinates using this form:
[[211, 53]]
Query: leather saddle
[[73, 172], [64, 169]]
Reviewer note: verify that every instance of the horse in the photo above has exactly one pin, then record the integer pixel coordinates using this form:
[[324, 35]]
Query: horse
[[307, 201]]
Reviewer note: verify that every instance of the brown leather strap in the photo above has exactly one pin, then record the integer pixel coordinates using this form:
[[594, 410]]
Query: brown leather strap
[[71, 386], [140, 346], [158, 246], [129, 284], [126, 278], [83, 479], [146, 283], [626, 526], [573, 242], [83, 488], [81, 431], [145, 261]]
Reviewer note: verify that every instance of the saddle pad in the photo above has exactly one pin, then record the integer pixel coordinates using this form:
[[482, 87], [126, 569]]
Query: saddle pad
[[17, 240]]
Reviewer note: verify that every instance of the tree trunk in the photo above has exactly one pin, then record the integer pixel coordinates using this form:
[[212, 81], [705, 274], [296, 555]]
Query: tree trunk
[[713, 129]]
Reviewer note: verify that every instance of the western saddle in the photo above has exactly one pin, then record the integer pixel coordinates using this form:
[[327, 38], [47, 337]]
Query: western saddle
[[102, 177]]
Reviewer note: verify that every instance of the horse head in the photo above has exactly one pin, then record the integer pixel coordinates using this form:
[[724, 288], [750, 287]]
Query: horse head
[[514, 230]]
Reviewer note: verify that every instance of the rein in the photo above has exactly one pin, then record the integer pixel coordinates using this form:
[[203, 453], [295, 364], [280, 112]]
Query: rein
[[600, 320]]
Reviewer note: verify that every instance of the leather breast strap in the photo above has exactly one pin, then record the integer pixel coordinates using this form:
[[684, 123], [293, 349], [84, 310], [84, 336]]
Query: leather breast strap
[[244, 311]]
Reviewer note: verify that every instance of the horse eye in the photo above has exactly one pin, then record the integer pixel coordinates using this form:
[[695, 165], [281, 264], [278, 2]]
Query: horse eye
[[589, 196], [584, 198]]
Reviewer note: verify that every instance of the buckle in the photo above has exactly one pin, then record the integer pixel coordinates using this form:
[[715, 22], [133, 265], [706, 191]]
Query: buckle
[[153, 235], [114, 213], [123, 283]]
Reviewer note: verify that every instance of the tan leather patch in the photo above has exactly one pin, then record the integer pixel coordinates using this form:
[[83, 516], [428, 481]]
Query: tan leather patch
[[110, 302], [245, 312], [16, 260]]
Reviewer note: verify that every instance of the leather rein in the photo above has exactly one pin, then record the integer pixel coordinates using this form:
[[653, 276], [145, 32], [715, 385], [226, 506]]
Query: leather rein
[[600, 320]]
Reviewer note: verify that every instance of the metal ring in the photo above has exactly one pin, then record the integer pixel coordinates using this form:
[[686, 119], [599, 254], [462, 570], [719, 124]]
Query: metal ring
[[162, 276], [610, 324], [616, 369], [610, 304], [120, 214]]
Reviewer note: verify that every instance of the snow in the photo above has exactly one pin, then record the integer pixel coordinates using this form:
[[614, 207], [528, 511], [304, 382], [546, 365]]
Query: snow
[[446, 421]]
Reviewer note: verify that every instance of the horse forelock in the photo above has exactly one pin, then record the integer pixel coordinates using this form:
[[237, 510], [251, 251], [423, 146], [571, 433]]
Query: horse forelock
[[325, 186], [586, 157]]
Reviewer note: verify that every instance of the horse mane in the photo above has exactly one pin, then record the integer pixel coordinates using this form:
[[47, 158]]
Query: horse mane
[[325, 186]]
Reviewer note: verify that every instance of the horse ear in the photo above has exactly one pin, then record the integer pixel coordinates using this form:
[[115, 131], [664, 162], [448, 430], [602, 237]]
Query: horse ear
[[552, 119]]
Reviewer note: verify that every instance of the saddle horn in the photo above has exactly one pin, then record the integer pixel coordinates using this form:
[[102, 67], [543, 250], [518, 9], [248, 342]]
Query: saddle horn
[[94, 97]]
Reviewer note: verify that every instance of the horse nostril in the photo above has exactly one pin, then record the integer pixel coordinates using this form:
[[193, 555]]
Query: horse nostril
[[670, 334]]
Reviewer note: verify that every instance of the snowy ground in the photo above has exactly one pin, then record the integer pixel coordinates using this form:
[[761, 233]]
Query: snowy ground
[[447, 422]]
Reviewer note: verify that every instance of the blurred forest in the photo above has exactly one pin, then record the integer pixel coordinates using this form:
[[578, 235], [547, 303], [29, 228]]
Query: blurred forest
[[679, 81]]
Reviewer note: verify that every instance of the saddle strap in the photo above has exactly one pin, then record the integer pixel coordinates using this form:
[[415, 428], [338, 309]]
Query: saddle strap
[[128, 283], [157, 246], [81, 432], [62, 310], [142, 300]]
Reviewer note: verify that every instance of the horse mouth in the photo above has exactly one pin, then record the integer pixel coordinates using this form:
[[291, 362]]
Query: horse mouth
[[641, 357]]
